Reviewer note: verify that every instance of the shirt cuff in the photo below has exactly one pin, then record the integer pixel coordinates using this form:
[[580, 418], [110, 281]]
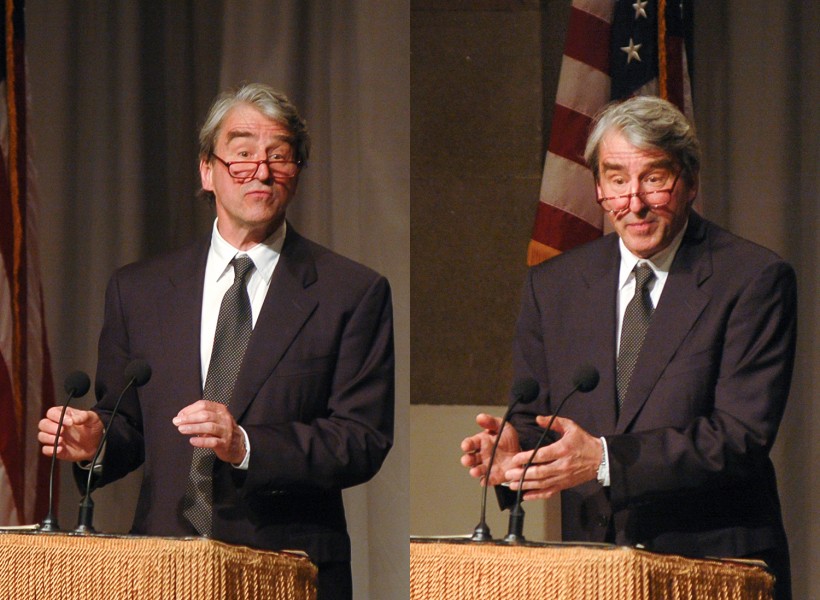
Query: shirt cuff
[[603, 468], [86, 464], [243, 466]]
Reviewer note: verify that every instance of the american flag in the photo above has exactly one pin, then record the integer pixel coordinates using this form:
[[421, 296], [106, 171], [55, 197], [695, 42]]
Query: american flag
[[26, 387], [613, 50]]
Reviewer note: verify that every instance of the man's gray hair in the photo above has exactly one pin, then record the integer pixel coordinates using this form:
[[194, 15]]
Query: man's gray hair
[[266, 100], [649, 123]]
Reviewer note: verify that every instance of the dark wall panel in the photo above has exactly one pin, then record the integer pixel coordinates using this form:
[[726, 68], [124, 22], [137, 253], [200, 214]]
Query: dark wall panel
[[479, 76]]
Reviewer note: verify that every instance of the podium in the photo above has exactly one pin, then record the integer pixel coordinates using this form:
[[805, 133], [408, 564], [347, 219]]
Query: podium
[[464, 570], [71, 566]]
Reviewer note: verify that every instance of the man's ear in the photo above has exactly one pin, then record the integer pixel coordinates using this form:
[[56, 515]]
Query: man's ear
[[206, 170]]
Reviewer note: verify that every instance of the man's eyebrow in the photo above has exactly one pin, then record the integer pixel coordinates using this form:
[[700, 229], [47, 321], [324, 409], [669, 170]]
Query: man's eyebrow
[[239, 133], [245, 133], [661, 163], [607, 165]]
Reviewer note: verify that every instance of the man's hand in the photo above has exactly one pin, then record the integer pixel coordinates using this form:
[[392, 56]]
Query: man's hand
[[211, 425], [79, 437], [572, 460], [478, 448]]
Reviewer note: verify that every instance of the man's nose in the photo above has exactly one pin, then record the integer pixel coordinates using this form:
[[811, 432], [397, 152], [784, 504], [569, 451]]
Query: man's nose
[[264, 172], [636, 202]]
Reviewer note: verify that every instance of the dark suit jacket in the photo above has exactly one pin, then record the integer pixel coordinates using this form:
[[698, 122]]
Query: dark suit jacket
[[314, 393], [689, 453]]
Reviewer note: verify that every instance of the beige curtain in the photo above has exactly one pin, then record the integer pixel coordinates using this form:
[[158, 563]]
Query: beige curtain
[[118, 90], [756, 108]]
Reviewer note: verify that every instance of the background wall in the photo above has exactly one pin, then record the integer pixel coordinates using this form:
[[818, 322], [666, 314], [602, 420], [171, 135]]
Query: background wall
[[118, 91], [483, 80]]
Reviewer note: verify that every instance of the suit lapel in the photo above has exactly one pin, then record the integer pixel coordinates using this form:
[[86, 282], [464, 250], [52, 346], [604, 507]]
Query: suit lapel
[[680, 305], [287, 307], [598, 333], [180, 314]]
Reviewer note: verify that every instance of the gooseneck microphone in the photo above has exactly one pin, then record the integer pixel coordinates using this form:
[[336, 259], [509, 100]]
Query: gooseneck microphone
[[524, 391], [585, 380], [76, 386], [137, 374]]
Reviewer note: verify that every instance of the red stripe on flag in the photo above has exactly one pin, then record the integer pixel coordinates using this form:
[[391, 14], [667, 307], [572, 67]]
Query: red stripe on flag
[[588, 40], [560, 229], [569, 133], [674, 71]]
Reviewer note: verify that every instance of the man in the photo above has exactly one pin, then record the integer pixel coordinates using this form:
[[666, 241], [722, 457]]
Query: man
[[309, 410], [671, 450]]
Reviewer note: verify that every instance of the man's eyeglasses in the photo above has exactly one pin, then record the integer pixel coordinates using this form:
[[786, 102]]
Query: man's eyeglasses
[[246, 169], [651, 198]]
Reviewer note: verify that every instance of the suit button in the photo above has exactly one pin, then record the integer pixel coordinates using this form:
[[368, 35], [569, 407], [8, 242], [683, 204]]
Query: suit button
[[602, 521]]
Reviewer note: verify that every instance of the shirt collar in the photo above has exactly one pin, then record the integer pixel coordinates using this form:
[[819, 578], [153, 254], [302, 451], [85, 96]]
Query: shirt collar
[[660, 262], [264, 255]]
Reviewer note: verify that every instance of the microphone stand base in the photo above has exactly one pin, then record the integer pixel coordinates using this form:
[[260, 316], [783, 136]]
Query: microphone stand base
[[514, 539], [85, 529], [49, 524], [86, 517], [515, 529], [481, 534]]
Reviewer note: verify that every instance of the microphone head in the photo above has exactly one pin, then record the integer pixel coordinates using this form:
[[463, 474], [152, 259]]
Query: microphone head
[[138, 371], [586, 378], [525, 391], [77, 384]]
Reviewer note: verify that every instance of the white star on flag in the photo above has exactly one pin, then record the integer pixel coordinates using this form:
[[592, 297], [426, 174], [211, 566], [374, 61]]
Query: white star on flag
[[632, 51], [640, 8]]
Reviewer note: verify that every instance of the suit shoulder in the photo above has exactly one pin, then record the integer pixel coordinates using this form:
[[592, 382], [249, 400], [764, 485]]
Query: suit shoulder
[[330, 263], [163, 265], [728, 247], [328, 275], [578, 260]]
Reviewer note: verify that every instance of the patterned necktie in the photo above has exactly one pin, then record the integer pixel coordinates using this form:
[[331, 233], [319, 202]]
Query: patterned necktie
[[233, 330], [636, 321]]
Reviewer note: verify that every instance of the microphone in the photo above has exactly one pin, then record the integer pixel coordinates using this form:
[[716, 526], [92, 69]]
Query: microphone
[[524, 391], [137, 374], [76, 386], [585, 380]]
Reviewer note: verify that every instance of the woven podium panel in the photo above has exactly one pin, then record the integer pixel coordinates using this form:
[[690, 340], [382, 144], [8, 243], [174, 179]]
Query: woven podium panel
[[45, 566], [458, 571]]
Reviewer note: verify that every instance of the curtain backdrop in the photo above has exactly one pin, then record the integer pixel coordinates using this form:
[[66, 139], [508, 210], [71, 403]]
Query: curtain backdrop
[[756, 109], [118, 91]]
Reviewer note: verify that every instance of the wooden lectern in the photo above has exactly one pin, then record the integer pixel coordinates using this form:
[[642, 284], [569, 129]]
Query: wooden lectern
[[72, 566], [465, 570]]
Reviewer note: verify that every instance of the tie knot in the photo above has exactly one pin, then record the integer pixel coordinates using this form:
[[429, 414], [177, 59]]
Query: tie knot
[[241, 266], [643, 275]]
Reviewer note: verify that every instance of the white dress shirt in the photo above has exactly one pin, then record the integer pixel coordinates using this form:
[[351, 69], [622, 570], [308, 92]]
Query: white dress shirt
[[660, 264], [219, 277]]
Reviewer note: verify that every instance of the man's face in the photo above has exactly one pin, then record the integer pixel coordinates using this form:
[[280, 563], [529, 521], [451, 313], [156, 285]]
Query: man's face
[[249, 210], [624, 169]]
